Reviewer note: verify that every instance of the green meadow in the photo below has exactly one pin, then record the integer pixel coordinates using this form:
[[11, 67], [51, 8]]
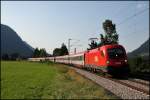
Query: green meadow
[[35, 80]]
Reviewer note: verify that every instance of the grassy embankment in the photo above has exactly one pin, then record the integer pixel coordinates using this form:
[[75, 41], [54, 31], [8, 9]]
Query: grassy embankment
[[32, 80]]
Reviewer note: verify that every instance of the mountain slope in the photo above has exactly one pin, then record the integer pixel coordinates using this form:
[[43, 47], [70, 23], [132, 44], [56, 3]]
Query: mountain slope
[[143, 50], [11, 43]]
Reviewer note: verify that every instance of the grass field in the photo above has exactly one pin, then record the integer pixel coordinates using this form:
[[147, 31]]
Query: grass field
[[33, 80]]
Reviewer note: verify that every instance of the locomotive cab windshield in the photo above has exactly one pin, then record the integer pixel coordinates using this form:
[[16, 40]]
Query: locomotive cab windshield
[[116, 53]]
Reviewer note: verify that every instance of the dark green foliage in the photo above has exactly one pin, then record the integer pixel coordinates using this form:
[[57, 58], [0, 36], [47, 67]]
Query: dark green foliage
[[138, 61], [64, 50], [60, 51], [109, 27], [139, 65], [39, 53], [111, 36], [56, 52], [36, 52], [93, 44], [43, 53]]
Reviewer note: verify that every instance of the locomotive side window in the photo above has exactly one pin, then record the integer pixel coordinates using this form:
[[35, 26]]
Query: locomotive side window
[[115, 53]]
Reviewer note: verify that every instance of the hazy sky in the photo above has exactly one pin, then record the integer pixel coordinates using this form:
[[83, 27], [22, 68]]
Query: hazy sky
[[48, 24]]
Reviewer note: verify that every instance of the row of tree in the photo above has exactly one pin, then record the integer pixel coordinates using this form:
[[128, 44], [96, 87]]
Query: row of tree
[[56, 52], [40, 52]]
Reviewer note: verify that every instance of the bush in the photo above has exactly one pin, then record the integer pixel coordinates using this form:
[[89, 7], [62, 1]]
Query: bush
[[139, 65]]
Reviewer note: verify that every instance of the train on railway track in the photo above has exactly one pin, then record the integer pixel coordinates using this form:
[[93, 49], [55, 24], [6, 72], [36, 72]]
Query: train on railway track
[[111, 59]]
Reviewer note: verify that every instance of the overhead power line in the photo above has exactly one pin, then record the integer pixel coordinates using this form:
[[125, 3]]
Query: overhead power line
[[136, 14], [120, 11]]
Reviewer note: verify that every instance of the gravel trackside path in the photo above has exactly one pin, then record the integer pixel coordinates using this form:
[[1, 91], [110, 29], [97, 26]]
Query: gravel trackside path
[[118, 89]]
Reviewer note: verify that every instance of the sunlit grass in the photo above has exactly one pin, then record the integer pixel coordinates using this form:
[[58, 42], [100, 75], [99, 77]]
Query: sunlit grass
[[32, 80]]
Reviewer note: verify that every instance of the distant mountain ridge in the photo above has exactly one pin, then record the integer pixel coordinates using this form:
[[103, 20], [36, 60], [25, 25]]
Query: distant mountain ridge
[[11, 43], [143, 50], [28, 45]]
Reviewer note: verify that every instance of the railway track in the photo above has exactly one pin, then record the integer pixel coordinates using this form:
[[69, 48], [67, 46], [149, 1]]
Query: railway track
[[134, 85], [137, 84], [123, 88], [140, 81]]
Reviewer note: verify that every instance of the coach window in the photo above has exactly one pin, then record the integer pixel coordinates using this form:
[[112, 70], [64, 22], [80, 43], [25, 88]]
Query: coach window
[[81, 58], [102, 53]]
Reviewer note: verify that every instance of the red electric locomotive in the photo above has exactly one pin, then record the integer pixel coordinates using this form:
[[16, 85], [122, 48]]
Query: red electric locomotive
[[108, 58]]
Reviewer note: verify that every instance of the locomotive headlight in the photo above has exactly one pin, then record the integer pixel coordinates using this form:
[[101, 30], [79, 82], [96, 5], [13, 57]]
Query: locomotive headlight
[[107, 62], [125, 60]]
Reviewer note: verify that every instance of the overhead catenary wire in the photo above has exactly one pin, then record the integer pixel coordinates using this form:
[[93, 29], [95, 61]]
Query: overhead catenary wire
[[130, 17], [120, 11]]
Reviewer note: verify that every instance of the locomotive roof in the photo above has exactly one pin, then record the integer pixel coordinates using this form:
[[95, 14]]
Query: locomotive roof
[[106, 46]]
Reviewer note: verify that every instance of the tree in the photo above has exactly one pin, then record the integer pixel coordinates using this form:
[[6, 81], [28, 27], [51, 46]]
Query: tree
[[36, 52], [42, 53], [109, 27], [138, 61], [111, 36], [64, 50], [60, 51], [56, 52], [39, 53]]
